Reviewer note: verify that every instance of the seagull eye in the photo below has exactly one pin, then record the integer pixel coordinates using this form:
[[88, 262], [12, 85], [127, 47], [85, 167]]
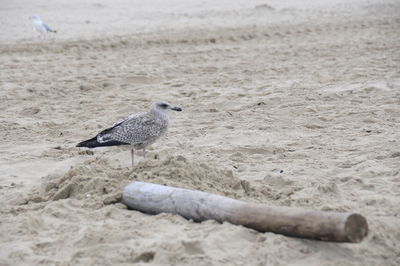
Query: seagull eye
[[163, 105]]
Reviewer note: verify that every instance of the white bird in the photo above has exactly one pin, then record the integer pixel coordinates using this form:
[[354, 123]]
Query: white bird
[[137, 130], [40, 26]]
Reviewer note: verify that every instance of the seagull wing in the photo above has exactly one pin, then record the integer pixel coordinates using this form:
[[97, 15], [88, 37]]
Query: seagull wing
[[134, 129], [124, 119]]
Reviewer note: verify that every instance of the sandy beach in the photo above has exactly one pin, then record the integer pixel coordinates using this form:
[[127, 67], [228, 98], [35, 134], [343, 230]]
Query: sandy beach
[[284, 103]]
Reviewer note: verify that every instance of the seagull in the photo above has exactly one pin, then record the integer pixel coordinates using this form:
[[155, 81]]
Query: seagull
[[40, 26], [137, 130]]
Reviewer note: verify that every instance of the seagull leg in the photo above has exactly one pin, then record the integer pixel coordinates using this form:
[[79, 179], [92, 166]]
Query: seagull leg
[[133, 157]]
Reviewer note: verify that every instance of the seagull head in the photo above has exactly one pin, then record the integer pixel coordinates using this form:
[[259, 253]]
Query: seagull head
[[164, 107]]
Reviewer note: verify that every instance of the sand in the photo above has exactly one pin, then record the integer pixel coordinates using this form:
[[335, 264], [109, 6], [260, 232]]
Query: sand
[[284, 103]]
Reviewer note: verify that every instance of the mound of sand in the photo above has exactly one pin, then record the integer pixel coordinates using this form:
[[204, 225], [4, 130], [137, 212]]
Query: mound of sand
[[96, 181]]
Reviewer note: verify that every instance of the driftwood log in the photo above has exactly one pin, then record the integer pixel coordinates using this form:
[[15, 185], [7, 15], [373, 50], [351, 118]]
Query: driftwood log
[[290, 221]]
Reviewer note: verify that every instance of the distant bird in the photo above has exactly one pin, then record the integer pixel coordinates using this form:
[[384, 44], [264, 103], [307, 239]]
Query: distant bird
[[138, 130], [40, 26]]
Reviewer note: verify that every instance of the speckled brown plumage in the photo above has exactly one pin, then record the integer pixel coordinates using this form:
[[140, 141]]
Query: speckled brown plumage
[[138, 130]]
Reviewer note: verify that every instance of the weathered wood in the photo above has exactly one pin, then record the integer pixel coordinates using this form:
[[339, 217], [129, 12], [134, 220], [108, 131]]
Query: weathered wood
[[200, 206]]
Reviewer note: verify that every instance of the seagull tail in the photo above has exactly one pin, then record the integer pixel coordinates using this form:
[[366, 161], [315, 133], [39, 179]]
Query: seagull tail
[[93, 143]]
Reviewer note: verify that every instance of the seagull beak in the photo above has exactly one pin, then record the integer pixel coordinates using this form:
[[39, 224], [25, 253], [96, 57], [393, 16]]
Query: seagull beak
[[176, 109]]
